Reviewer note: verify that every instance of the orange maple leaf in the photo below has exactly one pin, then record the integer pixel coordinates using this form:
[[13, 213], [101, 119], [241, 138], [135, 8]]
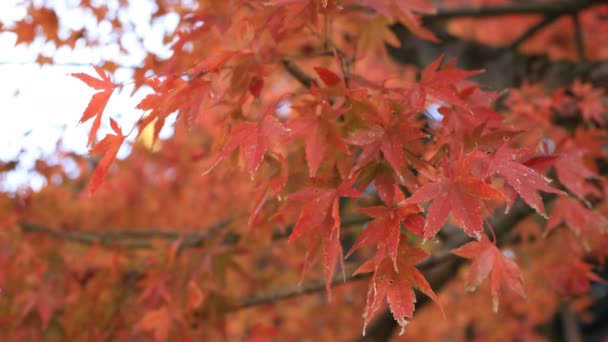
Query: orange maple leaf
[[98, 101], [156, 322], [396, 287], [457, 192], [109, 148], [489, 259]]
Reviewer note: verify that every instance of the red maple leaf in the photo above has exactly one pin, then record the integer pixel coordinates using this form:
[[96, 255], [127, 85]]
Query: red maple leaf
[[213, 62], [157, 323], [578, 218], [489, 259], [319, 129], [584, 96], [385, 230], [386, 133], [320, 216], [404, 12], [457, 192], [573, 173], [523, 179], [40, 301], [109, 147], [98, 101], [440, 85], [396, 287], [254, 140], [572, 277]]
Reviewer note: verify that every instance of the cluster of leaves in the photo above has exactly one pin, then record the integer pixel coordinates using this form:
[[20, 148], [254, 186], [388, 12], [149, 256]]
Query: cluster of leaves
[[263, 142]]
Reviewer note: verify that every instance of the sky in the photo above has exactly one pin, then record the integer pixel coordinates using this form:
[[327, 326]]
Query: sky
[[40, 106]]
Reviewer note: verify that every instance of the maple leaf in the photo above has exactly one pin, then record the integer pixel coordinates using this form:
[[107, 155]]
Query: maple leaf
[[587, 98], [109, 147], [377, 32], [404, 12], [396, 287], [457, 192], [489, 259], [195, 296], [213, 62], [523, 179], [578, 218], [157, 322], [573, 173], [385, 230], [319, 130], [386, 133], [321, 215], [99, 100], [275, 183], [169, 95], [440, 85], [572, 277], [39, 301], [254, 140]]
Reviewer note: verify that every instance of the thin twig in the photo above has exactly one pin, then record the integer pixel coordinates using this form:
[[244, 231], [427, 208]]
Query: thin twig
[[532, 31], [307, 287], [317, 285], [294, 70], [578, 38]]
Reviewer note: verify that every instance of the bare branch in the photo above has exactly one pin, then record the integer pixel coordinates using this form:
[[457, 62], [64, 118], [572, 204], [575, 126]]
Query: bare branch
[[532, 31], [139, 239], [294, 70], [124, 238], [578, 37], [555, 8]]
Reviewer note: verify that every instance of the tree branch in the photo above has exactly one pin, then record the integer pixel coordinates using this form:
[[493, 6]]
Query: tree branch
[[578, 37], [317, 285], [555, 8], [307, 287], [294, 70], [532, 31], [128, 239], [139, 239]]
